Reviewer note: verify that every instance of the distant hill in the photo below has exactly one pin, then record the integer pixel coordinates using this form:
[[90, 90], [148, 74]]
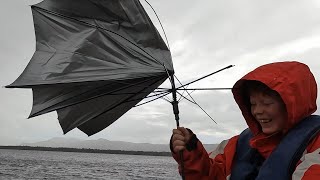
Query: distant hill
[[104, 144]]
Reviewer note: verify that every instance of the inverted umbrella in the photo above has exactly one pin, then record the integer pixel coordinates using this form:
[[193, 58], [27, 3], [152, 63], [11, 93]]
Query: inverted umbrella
[[94, 60]]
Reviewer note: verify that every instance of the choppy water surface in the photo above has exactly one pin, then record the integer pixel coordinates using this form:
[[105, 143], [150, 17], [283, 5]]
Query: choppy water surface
[[22, 164]]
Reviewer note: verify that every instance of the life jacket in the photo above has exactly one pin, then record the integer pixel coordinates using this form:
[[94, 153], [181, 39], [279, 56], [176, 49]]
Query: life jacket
[[249, 164]]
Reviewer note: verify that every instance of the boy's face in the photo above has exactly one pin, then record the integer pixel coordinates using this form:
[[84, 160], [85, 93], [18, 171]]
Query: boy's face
[[269, 111]]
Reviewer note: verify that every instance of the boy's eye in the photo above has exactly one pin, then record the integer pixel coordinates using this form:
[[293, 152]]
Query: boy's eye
[[267, 103]]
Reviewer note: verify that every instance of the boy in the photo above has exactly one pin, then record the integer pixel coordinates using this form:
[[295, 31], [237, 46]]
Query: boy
[[282, 140]]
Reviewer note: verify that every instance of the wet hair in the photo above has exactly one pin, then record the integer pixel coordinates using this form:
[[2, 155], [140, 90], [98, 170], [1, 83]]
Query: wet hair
[[250, 86]]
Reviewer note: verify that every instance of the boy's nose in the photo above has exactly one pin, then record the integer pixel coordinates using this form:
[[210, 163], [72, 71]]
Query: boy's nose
[[257, 109]]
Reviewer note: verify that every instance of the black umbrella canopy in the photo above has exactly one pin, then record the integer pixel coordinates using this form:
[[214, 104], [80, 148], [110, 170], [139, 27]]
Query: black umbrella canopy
[[94, 61]]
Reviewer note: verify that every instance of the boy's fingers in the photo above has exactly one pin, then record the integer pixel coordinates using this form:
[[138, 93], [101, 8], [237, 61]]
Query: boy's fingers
[[184, 131], [178, 145], [178, 137], [177, 131]]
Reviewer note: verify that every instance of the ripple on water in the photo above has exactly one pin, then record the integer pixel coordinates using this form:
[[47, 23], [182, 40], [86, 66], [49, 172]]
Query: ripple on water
[[22, 164]]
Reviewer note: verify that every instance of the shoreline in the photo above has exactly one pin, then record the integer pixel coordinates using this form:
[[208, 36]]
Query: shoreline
[[84, 150]]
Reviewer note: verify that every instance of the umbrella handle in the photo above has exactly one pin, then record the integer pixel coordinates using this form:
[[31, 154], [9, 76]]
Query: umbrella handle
[[182, 164]]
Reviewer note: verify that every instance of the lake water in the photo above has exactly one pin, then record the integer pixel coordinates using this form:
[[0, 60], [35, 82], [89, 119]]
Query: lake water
[[24, 164]]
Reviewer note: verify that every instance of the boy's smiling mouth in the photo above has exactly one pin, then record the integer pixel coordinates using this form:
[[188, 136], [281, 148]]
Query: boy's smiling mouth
[[264, 120]]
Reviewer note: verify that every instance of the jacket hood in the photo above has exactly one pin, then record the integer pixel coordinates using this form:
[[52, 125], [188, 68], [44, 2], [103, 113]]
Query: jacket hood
[[292, 80]]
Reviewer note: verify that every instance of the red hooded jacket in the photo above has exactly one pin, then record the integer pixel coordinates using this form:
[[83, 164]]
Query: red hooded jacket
[[298, 89]]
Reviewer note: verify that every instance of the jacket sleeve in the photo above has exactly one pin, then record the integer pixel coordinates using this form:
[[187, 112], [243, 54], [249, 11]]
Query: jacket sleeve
[[309, 165], [198, 164]]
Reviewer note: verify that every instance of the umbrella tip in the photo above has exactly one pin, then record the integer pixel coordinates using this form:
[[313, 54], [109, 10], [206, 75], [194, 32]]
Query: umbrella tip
[[31, 115]]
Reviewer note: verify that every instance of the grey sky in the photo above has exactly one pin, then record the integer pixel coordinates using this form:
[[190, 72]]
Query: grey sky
[[204, 36]]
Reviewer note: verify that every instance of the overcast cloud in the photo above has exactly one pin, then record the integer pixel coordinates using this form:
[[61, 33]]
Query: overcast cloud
[[204, 36]]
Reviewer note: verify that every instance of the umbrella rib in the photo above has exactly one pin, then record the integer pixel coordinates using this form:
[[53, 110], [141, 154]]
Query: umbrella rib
[[205, 89], [195, 89], [156, 94], [206, 76], [163, 93], [160, 23], [98, 27], [196, 102], [152, 99], [163, 88], [188, 95], [184, 97], [181, 95], [160, 92]]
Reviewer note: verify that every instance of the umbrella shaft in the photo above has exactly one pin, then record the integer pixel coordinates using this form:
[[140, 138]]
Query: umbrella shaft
[[175, 102], [176, 111]]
